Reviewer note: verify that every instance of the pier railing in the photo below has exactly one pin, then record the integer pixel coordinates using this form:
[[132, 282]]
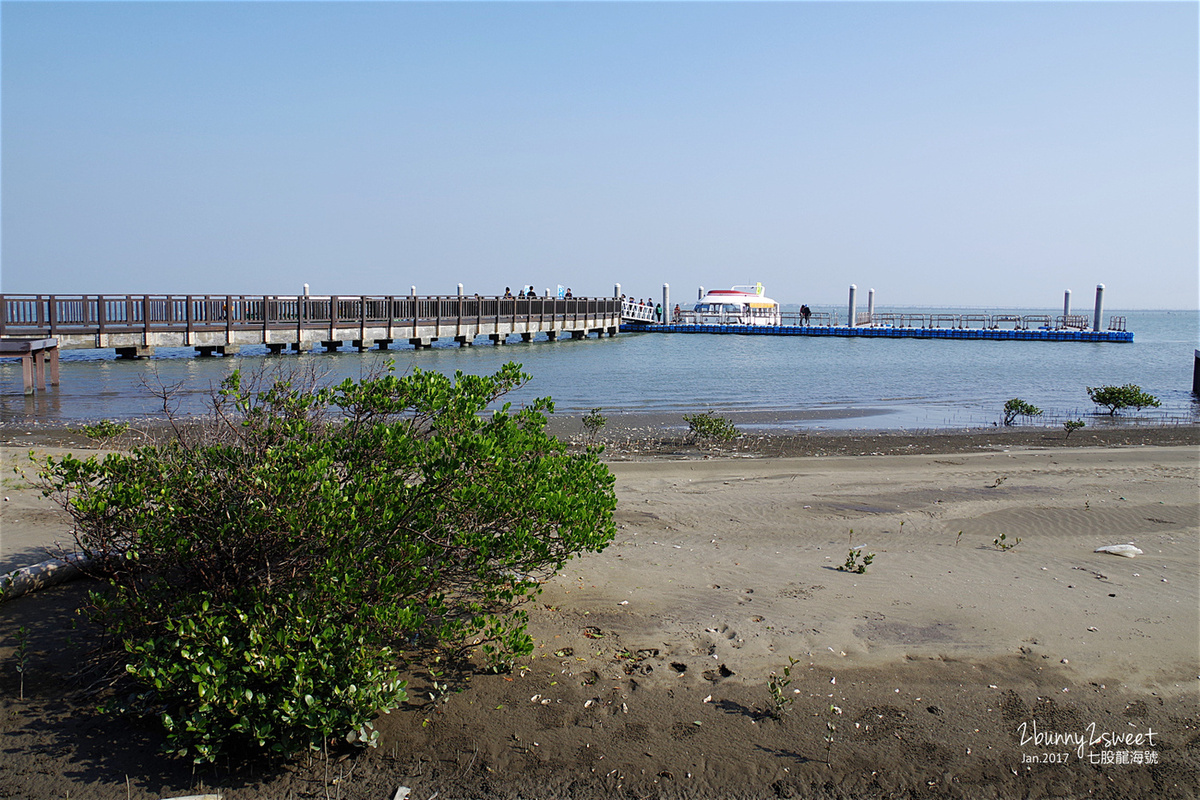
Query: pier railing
[[50, 315]]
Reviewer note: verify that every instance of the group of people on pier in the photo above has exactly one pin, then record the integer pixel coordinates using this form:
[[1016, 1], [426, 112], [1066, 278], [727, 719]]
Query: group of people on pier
[[655, 308], [528, 292]]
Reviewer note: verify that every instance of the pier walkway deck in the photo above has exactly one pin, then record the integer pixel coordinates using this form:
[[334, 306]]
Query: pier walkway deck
[[134, 325]]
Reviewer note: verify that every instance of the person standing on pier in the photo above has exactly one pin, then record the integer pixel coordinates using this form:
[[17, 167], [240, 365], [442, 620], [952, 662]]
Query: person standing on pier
[[658, 313]]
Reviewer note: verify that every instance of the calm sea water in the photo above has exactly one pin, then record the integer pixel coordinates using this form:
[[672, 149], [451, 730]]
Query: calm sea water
[[798, 382]]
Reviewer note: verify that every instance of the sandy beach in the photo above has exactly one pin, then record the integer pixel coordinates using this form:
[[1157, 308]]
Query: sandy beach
[[958, 668]]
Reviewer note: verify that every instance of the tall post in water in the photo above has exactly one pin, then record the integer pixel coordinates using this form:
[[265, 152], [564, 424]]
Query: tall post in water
[[1099, 307], [617, 291], [306, 290], [870, 306], [700, 294], [666, 301], [1067, 303], [460, 290], [853, 289]]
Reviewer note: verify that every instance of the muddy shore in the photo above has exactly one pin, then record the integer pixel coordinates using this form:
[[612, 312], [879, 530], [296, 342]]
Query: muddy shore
[[958, 669]]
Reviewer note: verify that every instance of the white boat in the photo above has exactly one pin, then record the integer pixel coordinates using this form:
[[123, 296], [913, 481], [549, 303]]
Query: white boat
[[740, 305]]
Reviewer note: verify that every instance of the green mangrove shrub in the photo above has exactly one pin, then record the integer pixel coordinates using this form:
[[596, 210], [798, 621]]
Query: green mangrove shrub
[[710, 427], [1017, 407], [1117, 398], [268, 571], [1072, 425]]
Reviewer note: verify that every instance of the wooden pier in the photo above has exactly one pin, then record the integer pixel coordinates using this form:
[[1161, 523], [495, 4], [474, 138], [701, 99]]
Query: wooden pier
[[134, 325], [34, 355]]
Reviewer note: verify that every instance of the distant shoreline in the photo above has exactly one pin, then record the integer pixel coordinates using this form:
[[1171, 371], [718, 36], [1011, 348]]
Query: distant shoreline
[[639, 435]]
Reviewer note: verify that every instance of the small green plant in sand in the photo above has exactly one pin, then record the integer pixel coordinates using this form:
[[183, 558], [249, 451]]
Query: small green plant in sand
[[710, 427], [1019, 408], [1116, 398], [853, 556], [1002, 544], [21, 656], [104, 430], [593, 421], [777, 685], [1072, 425]]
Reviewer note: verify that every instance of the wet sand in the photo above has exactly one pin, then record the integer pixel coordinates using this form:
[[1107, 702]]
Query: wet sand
[[655, 658]]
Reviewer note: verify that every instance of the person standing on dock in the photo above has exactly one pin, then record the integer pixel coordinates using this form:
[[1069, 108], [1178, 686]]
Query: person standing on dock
[[805, 313], [658, 313]]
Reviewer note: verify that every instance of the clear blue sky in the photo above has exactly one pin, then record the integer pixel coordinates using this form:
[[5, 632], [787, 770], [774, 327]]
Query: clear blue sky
[[943, 153]]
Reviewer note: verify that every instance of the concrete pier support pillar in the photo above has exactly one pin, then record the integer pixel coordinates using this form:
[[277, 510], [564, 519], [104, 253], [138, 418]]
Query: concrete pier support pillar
[[207, 350], [463, 341], [275, 348], [666, 315], [1067, 303], [301, 347], [135, 351], [422, 342], [498, 338], [853, 310], [870, 306], [382, 344], [331, 346], [527, 337], [553, 335], [1097, 317], [361, 344], [578, 334]]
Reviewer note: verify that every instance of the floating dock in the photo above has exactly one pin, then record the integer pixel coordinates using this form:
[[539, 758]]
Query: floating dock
[[1037, 335], [644, 317]]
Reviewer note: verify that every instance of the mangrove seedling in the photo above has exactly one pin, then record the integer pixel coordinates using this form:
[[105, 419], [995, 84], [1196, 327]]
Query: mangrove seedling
[[21, 656], [1002, 544], [593, 421], [104, 430], [853, 564], [1072, 425], [777, 685], [831, 729]]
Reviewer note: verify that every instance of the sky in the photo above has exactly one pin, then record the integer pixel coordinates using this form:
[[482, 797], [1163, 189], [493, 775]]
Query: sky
[[941, 153]]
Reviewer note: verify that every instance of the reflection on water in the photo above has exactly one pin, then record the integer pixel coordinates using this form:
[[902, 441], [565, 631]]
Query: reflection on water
[[828, 382]]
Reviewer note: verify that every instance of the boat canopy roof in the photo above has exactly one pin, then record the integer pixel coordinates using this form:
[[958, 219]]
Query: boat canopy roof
[[751, 295]]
